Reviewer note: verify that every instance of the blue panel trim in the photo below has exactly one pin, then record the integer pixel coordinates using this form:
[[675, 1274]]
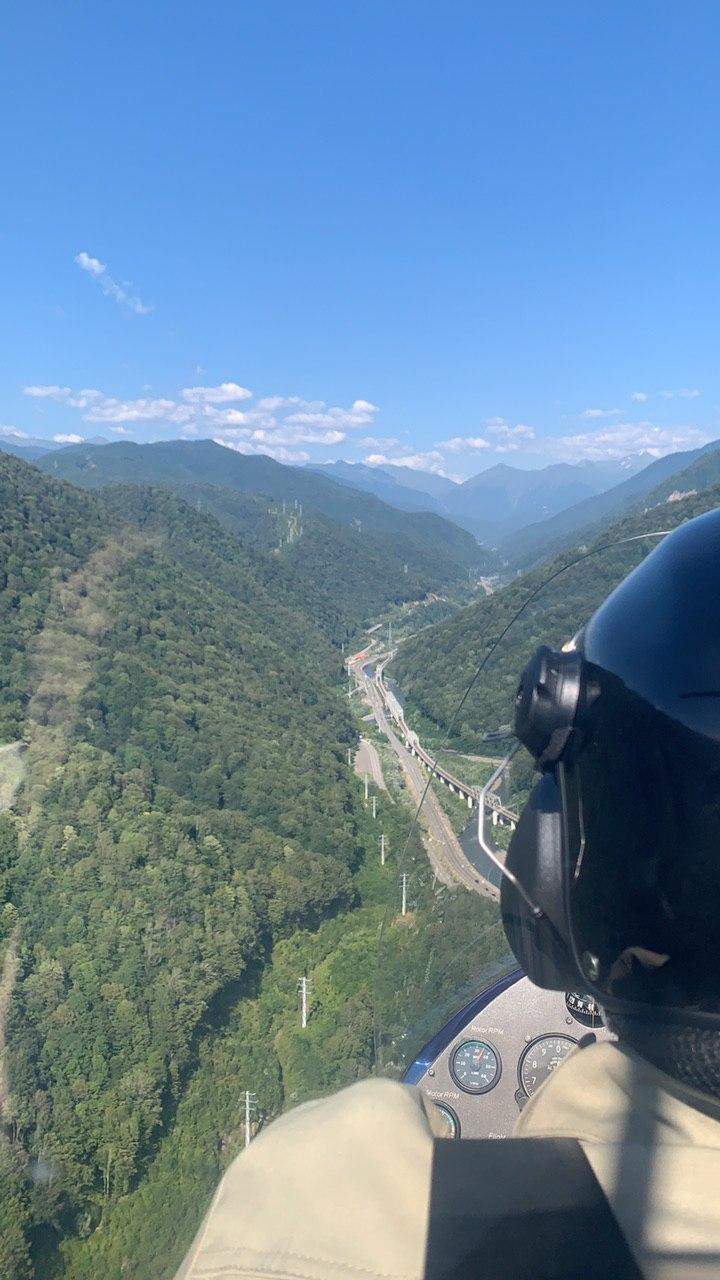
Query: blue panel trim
[[442, 1039]]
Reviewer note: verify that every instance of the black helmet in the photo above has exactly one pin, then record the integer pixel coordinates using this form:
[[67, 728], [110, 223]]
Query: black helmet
[[618, 848]]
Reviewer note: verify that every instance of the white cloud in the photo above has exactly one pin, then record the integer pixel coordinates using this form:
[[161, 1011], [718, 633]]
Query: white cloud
[[432, 461], [272, 403], [685, 393], [279, 454], [639, 397], [624, 438], [376, 442], [46, 393], [265, 427], [601, 413], [101, 408], [120, 431], [111, 410], [93, 265], [465, 444], [505, 438], [110, 287], [509, 439], [224, 394], [71, 438], [13, 432], [297, 436], [359, 415]]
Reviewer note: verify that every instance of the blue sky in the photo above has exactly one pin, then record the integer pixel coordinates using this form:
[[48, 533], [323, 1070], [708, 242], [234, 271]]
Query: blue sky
[[456, 234]]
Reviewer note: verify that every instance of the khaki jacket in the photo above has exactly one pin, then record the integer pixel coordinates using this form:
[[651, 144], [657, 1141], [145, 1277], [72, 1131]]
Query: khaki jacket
[[654, 1146], [339, 1189]]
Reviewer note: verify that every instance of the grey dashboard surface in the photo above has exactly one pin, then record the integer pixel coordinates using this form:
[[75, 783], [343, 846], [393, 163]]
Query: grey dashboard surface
[[496, 1060]]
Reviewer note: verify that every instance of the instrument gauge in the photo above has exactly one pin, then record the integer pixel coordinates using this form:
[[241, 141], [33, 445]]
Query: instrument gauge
[[583, 1008], [475, 1066], [450, 1119], [540, 1060]]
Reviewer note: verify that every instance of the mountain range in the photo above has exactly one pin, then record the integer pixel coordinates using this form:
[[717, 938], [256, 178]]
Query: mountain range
[[689, 469], [495, 502], [182, 462], [519, 516]]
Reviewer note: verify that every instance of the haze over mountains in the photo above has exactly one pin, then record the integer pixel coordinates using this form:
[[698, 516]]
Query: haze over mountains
[[540, 540], [495, 502]]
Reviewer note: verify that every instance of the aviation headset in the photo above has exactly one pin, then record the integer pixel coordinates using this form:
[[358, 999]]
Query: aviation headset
[[618, 848]]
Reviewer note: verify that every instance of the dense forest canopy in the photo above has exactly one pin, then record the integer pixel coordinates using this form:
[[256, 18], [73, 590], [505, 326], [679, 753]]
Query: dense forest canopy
[[188, 840], [182, 462], [181, 838]]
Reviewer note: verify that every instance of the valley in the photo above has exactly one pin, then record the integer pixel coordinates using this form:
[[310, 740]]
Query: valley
[[186, 831]]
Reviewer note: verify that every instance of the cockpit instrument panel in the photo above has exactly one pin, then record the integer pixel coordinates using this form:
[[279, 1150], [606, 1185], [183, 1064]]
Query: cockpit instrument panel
[[482, 1069], [475, 1066], [583, 1009], [540, 1059]]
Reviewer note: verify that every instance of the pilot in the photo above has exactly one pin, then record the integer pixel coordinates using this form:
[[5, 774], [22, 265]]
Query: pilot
[[612, 887]]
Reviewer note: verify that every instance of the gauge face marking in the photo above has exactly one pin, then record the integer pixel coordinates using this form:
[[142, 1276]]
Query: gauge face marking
[[450, 1119], [584, 1008], [540, 1060], [475, 1066]]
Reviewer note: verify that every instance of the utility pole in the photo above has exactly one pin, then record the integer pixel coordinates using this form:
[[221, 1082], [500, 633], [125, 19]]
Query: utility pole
[[250, 1115], [304, 985], [382, 850], [366, 788], [349, 756], [374, 807], [404, 894]]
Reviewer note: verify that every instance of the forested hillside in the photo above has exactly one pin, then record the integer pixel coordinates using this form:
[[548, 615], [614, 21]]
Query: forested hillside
[[341, 577], [181, 462], [703, 472], [186, 841], [435, 668]]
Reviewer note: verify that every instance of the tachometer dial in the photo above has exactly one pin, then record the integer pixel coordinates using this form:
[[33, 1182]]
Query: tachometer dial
[[450, 1119], [475, 1066], [583, 1008], [540, 1060]]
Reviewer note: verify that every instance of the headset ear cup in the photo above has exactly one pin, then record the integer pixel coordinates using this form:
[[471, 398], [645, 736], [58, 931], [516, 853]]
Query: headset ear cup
[[535, 857], [547, 701]]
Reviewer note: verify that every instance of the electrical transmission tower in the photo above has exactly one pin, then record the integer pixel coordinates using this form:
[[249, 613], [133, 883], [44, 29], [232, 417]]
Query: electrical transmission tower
[[404, 894], [382, 850], [305, 989], [251, 1112]]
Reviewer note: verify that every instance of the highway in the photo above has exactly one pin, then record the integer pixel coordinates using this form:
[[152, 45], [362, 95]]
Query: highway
[[443, 847]]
